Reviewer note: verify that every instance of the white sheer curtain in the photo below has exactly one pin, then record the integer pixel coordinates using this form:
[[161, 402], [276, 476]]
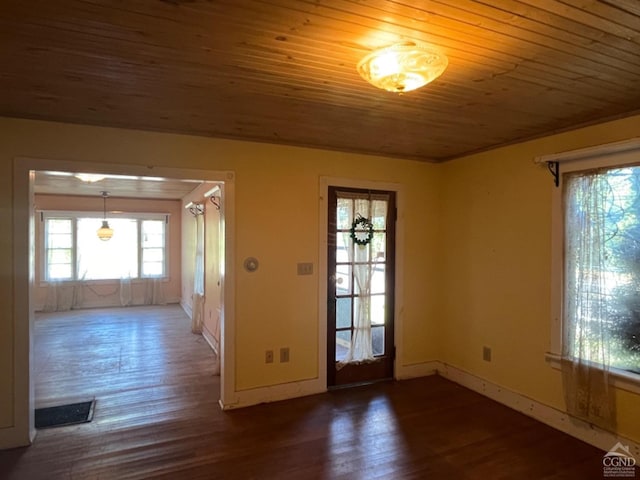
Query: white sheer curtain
[[586, 350], [197, 317], [63, 296], [363, 259], [361, 347], [126, 297], [154, 291]]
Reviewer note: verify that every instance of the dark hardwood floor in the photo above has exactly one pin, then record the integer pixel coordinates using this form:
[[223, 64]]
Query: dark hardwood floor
[[157, 416]]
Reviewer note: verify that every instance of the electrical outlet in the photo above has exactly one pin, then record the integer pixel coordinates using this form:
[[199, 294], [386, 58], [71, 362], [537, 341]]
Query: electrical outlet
[[268, 356], [284, 354], [486, 354], [305, 269]]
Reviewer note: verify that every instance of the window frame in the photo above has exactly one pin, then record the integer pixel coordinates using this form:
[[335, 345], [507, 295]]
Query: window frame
[[45, 246], [139, 217], [617, 154], [142, 248]]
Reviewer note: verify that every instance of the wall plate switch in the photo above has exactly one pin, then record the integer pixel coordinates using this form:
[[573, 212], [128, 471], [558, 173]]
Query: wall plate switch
[[305, 268], [268, 356]]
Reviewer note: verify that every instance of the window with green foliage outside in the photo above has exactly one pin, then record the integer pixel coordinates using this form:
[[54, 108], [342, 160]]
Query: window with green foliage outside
[[602, 266]]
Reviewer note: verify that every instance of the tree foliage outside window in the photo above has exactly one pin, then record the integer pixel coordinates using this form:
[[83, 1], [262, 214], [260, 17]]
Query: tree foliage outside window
[[617, 270]]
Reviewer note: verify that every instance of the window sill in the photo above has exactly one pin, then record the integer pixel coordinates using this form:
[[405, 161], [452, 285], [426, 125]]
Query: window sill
[[618, 378]]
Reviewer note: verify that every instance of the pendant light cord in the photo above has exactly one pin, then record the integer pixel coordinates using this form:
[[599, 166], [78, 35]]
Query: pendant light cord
[[104, 205]]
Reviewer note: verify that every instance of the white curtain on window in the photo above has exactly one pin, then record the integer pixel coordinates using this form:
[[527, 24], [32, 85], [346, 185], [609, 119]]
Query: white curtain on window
[[197, 318], [586, 350], [63, 296], [154, 291], [363, 259], [126, 297]]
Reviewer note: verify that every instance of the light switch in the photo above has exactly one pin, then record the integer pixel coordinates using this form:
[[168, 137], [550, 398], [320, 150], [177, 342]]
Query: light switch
[[305, 269]]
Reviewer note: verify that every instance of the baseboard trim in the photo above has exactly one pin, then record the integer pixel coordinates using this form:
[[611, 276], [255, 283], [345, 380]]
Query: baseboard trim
[[275, 393], [285, 391], [415, 370], [551, 416], [208, 336], [97, 305], [187, 309]]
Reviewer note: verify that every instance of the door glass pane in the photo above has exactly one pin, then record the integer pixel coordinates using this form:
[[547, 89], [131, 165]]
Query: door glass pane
[[378, 278], [377, 337], [379, 214], [343, 312], [377, 310], [345, 214], [343, 279], [343, 340], [378, 246], [343, 245]]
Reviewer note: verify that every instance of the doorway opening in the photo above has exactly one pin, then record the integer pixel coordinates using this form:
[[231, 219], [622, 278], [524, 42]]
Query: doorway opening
[[128, 184]]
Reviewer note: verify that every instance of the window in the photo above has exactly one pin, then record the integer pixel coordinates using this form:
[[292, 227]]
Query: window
[[72, 250], [59, 248], [602, 265], [153, 250], [596, 259]]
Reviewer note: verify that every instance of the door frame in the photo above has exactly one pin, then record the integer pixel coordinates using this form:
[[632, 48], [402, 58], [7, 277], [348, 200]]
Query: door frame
[[23, 430], [325, 183]]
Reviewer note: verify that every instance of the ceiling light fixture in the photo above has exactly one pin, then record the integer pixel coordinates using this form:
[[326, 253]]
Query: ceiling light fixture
[[402, 67], [90, 177], [105, 232]]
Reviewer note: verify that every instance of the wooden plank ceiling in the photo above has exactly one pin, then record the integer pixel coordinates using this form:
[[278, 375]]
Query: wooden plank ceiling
[[122, 186], [284, 71]]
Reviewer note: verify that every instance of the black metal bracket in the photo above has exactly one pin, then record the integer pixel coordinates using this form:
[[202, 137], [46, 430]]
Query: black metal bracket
[[554, 168], [215, 201]]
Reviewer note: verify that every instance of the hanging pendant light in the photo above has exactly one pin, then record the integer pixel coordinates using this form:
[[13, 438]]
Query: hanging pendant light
[[105, 232]]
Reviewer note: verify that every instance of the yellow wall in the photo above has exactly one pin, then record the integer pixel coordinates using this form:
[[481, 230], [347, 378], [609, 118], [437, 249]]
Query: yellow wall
[[277, 221], [477, 248], [496, 244]]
